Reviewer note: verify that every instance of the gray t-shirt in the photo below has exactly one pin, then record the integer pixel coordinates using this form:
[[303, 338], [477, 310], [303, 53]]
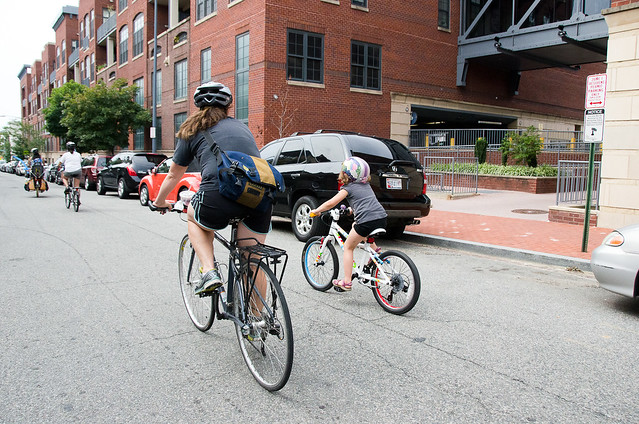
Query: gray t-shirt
[[229, 134], [364, 203]]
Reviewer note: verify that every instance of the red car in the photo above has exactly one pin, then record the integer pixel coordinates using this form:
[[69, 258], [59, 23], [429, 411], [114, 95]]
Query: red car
[[91, 165], [150, 185]]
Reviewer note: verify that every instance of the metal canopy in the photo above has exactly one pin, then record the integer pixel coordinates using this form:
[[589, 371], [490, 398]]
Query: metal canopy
[[581, 39]]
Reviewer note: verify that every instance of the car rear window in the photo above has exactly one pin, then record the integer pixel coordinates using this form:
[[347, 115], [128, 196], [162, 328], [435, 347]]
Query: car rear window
[[148, 160], [375, 150]]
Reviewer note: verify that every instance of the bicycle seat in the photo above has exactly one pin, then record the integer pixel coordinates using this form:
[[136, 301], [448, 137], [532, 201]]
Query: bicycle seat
[[377, 232]]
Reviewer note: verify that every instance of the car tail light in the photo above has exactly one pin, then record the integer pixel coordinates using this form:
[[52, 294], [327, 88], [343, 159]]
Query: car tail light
[[614, 239], [425, 183], [131, 171]]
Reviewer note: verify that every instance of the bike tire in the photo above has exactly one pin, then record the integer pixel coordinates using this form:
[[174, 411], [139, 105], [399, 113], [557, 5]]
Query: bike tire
[[402, 295], [76, 201], [320, 274], [37, 191], [67, 200], [200, 309], [267, 349]]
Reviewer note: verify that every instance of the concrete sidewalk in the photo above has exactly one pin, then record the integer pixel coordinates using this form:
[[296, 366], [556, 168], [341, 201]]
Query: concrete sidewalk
[[506, 223]]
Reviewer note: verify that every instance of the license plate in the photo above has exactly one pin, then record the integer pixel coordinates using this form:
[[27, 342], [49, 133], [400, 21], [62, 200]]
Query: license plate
[[393, 184]]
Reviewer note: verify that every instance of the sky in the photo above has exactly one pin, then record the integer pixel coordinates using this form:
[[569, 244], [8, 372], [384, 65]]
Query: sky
[[25, 27]]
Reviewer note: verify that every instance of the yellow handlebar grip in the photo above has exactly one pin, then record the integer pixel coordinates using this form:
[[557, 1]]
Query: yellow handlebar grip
[[312, 215]]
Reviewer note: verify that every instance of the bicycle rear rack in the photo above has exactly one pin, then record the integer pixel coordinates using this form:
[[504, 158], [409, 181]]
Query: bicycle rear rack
[[270, 255]]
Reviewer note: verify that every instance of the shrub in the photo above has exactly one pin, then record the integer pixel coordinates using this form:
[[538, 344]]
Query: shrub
[[525, 147], [505, 149], [480, 149], [488, 169]]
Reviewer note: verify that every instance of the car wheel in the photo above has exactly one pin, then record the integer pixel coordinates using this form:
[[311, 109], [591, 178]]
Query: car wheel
[[144, 195], [100, 187], [122, 193], [87, 184], [305, 227]]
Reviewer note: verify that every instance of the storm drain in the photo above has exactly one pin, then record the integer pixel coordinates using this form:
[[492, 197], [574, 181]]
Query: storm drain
[[529, 211]]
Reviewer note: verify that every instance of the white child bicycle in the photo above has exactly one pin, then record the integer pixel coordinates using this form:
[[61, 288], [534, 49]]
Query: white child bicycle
[[391, 275]]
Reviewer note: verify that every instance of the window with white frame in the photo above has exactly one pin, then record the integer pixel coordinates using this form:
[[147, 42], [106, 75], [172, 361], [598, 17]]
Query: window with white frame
[[138, 34], [92, 23], [242, 77], [361, 3], [205, 8], [178, 120], [158, 88], [122, 4], [181, 79], [139, 94], [205, 65], [443, 14], [124, 44]]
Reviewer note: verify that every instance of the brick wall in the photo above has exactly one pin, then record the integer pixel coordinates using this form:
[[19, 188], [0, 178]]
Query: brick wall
[[571, 215]]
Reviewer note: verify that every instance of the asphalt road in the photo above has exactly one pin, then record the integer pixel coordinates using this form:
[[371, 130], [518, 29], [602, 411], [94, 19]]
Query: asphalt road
[[93, 329]]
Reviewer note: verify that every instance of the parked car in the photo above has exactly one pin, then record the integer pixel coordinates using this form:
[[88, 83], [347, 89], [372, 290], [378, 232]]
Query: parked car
[[310, 164], [615, 262], [91, 165], [19, 168], [150, 185], [125, 170]]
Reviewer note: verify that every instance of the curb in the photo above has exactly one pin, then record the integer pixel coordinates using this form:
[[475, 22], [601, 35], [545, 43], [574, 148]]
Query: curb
[[501, 251]]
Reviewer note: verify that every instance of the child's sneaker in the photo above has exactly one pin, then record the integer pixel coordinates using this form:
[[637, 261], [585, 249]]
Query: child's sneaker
[[209, 282]]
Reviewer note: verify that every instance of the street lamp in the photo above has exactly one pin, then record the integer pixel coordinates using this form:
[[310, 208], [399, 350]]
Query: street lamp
[[154, 77]]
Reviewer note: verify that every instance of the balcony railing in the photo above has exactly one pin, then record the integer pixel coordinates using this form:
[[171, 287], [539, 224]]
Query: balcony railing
[[52, 77], [106, 29], [74, 57], [85, 43]]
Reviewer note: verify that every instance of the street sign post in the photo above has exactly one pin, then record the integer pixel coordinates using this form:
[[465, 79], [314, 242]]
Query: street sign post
[[593, 133], [593, 125]]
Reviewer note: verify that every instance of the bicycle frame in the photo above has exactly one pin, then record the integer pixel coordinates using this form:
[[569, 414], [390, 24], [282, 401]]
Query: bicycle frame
[[361, 272]]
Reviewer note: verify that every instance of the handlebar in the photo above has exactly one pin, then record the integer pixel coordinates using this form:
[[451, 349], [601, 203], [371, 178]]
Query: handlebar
[[178, 207], [335, 213]]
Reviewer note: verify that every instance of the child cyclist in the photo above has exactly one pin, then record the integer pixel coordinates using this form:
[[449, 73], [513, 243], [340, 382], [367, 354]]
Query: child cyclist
[[369, 213]]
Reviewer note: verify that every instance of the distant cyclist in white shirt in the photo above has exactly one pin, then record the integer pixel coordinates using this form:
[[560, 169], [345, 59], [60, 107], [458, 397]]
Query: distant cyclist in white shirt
[[72, 162]]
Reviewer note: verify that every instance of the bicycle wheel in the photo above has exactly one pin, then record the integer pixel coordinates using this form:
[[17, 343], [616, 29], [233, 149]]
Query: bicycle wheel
[[67, 200], [267, 340], [200, 309], [402, 294], [36, 184], [76, 200], [320, 271]]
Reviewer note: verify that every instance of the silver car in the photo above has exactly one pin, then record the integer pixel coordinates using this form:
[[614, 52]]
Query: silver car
[[616, 262]]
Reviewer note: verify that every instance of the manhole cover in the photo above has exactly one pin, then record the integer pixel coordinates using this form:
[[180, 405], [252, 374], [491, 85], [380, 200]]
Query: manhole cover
[[529, 211]]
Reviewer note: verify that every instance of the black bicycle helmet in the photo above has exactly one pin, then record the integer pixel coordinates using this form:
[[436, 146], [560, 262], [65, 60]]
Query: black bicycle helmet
[[34, 151], [71, 146], [212, 94]]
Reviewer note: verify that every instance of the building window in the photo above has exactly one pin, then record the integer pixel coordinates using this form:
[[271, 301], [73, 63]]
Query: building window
[[158, 131], [124, 41], [57, 57], [92, 24], [181, 37], [138, 139], [241, 77], [122, 5], [92, 66], [305, 56], [366, 65], [178, 119], [158, 89], [362, 3], [138, 36], [181, 79], [63, 54], [139, 95], [205, 65], [443, 14], [205, 8]]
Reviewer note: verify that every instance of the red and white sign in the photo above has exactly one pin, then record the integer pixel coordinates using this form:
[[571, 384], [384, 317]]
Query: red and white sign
[[596, 91]]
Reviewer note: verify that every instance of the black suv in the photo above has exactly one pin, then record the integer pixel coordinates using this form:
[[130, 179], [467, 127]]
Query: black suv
[[125, 170], [310, 164]]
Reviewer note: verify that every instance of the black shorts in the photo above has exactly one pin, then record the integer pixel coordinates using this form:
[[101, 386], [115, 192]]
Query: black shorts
[[74, 174], [365, 228], [213, 211]]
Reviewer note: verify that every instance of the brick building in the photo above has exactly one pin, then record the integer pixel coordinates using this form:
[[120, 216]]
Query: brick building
[[379, 67]]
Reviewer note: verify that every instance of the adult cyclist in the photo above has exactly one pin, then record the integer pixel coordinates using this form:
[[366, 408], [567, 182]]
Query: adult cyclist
[[72, 162], [208, 210]]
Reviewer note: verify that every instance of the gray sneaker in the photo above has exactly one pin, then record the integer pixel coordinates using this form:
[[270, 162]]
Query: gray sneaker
[[209, 282]]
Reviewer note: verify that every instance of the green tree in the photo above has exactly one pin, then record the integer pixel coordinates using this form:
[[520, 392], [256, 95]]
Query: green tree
[[504, 148], [21, 137], [101, 117], [58, 101], [5, 144]]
